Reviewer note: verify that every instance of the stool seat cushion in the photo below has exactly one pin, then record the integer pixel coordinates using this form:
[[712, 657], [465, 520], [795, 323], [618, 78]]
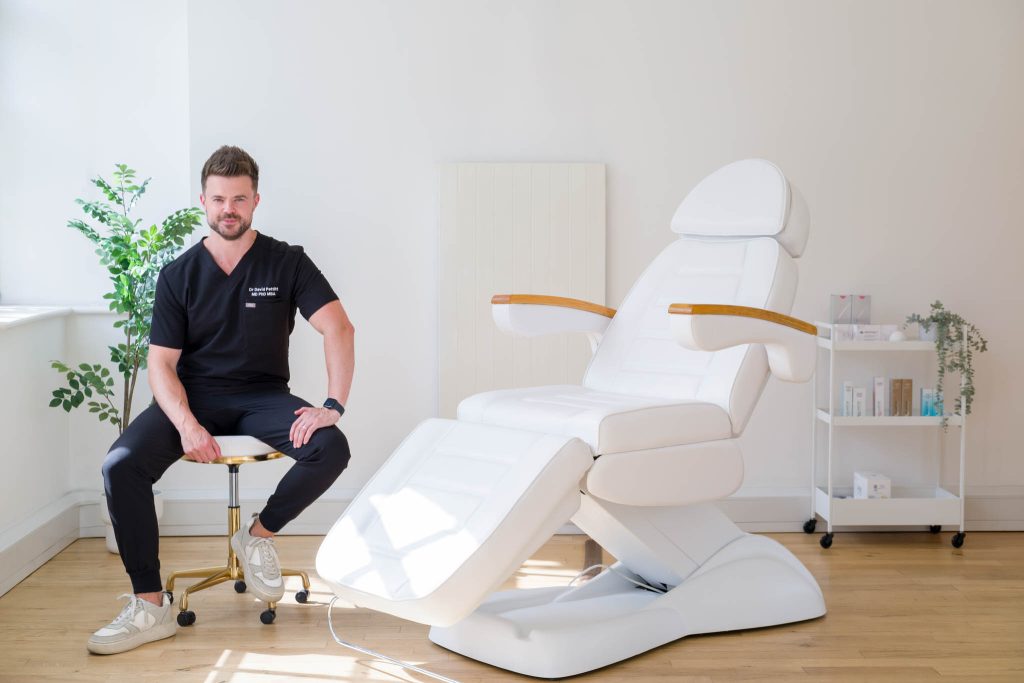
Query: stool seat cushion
[[234, 446]]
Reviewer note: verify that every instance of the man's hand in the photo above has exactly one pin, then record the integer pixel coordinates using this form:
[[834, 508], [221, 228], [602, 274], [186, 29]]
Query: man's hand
[[198, 443], [310, 420]]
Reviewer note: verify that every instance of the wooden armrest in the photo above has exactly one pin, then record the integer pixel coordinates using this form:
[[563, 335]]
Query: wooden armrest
[[544, 300], [745, 312]]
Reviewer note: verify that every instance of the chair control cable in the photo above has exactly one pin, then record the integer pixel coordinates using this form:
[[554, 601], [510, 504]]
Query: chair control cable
[[372, 653]]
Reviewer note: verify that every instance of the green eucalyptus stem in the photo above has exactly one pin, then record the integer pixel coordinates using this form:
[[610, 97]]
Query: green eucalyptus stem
[[133, 256], [956, 342]]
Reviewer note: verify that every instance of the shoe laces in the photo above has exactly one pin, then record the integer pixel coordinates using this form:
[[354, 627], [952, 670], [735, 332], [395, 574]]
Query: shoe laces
[[268, 558], [129, 611]]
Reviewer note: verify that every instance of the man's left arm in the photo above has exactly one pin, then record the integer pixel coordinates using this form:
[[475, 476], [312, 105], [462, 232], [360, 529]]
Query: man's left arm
[[332, 322]]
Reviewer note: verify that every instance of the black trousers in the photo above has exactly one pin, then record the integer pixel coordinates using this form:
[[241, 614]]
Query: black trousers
[[151, 444]]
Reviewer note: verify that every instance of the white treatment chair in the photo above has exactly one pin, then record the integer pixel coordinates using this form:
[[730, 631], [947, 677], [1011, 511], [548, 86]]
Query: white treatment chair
[[635, 457]]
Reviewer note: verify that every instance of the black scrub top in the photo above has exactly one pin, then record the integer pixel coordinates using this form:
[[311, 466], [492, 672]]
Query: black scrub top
[[233, 329]]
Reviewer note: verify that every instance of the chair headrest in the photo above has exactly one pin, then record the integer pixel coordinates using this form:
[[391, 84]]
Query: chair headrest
[[749, 198]]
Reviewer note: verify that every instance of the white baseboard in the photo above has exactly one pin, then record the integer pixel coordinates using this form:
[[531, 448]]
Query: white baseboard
[[29, 544]]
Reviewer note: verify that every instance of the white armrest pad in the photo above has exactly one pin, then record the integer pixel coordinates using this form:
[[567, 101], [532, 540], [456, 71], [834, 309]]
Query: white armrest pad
[[791, 353], [532, 320]]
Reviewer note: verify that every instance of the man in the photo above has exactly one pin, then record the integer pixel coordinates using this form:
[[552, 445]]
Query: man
[[218, 364]]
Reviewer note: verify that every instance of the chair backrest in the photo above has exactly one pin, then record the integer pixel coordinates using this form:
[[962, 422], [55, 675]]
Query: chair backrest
[[740, 230]]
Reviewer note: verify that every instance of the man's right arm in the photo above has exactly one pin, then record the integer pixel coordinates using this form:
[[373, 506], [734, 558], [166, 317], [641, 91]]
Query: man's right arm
[[169, 393]]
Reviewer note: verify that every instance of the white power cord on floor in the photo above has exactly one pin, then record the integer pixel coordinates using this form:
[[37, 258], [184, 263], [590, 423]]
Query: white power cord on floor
[[365, 651], [613, 570]]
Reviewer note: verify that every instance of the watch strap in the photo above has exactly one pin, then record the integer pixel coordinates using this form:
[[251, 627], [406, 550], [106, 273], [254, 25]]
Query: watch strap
[[334, 405]]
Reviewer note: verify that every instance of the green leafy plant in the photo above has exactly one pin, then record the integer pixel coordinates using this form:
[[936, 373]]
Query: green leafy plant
[[133, 256], [956, 342]]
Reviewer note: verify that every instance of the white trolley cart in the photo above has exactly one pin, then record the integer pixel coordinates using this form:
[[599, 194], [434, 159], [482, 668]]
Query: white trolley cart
[[933, 507]]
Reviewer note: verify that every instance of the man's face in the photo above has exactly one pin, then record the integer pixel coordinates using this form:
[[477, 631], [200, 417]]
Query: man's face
[[229, 203]]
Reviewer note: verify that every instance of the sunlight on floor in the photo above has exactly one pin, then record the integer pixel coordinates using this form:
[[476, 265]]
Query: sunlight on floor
[[257, 667]]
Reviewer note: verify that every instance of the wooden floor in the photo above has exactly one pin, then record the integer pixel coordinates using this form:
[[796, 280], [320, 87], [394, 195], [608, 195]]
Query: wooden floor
[[902, 607]]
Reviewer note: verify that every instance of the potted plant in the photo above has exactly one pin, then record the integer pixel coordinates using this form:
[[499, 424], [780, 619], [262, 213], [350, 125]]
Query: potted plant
[[133, 256], [956, 342]]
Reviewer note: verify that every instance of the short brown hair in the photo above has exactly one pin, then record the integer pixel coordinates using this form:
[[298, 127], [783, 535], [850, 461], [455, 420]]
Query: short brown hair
[[231, 162]]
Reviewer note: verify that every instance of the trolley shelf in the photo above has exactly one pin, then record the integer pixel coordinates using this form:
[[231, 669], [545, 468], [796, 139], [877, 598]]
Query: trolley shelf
[[898, 421], [907, 507], [875, 345]]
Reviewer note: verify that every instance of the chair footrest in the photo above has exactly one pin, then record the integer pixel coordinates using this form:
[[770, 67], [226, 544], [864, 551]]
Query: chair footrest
[[454, 511]]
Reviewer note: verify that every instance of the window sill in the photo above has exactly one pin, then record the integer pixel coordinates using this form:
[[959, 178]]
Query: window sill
[[13, 316]]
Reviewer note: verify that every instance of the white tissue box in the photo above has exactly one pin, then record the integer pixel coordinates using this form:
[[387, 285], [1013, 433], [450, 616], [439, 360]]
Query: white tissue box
[[871, 485]]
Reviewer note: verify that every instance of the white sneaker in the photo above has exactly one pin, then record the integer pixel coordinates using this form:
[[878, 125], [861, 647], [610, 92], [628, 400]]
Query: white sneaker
[[140, 622], [260, 565]]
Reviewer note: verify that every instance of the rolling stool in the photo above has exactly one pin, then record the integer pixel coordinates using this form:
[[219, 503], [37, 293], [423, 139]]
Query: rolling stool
[[235, 450]]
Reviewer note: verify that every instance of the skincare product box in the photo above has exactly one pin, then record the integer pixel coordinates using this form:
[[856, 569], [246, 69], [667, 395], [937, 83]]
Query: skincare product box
[[840, 309], [847, 405], [930, 403], [871, 485], [858, 332], [901, 400], [861, 309], [867, 332], [860, 403], [879, 396]]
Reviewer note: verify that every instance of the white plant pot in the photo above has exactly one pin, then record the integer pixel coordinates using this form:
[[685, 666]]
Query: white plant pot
[[927, 335], [158, 500]]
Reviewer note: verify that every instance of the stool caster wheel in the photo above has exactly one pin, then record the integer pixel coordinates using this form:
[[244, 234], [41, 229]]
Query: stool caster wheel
[[267, 616], [239, 586], [826, 541], [935, 528], [302, 596], [809, 525], [170, 596], [958, 539], [186, 618]]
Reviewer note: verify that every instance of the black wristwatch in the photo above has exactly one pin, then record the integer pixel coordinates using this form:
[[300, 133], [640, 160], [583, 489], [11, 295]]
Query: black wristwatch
[[334, 405]]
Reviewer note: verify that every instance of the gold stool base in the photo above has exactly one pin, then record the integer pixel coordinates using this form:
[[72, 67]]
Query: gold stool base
[[211, 576]]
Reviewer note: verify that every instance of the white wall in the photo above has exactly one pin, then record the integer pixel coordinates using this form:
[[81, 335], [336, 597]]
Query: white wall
[[35, 459], [84, 86], [899, 121], [38, 515]]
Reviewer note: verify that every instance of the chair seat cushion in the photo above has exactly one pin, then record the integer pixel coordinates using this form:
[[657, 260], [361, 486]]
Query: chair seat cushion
[[610, 423]]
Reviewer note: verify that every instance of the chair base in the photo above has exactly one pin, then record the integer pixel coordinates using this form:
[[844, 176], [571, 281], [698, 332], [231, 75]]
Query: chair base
[[232, 571], [556, 632]]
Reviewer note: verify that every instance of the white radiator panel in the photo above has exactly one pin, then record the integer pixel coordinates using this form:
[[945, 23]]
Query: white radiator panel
[[523, 229]]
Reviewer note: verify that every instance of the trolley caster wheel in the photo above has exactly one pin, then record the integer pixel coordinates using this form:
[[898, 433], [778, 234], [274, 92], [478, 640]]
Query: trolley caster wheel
[[239, 586], [810, 525], [935, 528], [170, 596], [826, 541], [186, 618], [302, 596], [958, 539], [267, 616]]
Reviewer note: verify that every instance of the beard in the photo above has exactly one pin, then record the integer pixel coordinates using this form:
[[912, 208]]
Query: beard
[[230, 233]]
